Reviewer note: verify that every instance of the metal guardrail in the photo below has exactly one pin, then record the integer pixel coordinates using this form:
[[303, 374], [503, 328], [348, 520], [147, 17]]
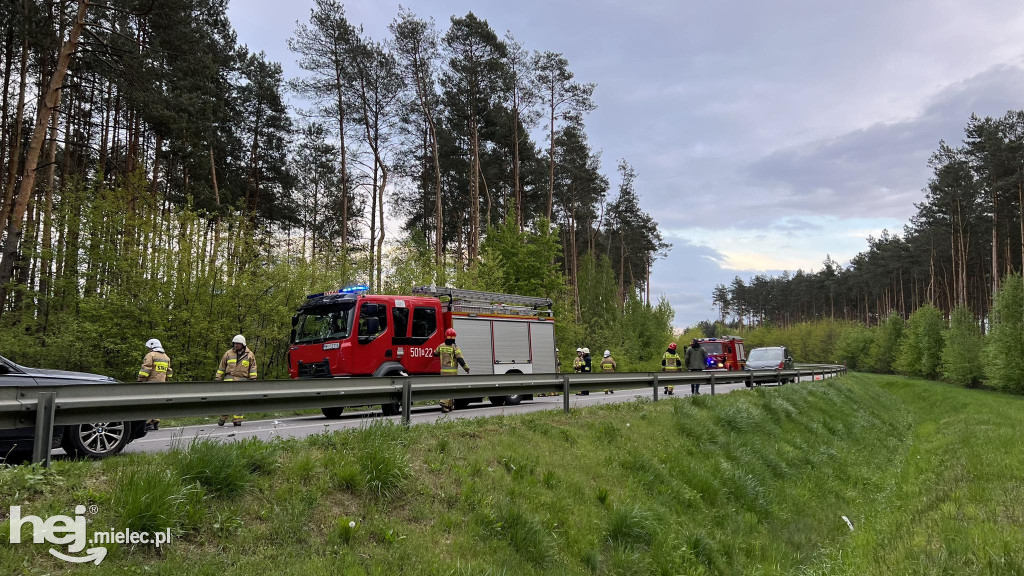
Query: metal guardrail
[[44, 407]]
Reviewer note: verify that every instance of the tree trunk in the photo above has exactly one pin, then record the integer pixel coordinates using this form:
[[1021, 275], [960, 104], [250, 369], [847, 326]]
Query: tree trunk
[[4, 111], [15, 157], [518, 193], [574, 272], [487, 194], [551, 163], [474, 224], [622, 267], [428, 114], [216, 217], [380, 238], [343, 157], [47, 245], [50, 101], [995, 242]]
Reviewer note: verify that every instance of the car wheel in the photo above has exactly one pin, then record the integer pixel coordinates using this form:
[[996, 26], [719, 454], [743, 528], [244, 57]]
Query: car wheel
[[333, 413], [497, 400], [513, 400], [96, 440]]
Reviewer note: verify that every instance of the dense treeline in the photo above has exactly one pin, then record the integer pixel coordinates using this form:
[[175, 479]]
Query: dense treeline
[[965, 239], [925, 345], [156, 183]]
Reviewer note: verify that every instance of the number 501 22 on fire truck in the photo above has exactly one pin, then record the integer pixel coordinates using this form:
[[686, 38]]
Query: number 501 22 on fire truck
[[350, 332]]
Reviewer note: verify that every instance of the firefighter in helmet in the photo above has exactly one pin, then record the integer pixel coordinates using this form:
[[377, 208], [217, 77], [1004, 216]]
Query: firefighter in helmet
[[451, 359], [608, 365], [238, 363], [577, 362], [671, 362], [156, 367], [586, 365]]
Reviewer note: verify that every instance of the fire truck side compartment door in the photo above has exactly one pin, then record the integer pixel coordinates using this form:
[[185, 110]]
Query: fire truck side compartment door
[[511, 342], [543, 336], [474, 339]]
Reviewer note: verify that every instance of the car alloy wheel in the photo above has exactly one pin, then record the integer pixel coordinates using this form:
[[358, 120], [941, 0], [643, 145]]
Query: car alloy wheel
[[102, 437]]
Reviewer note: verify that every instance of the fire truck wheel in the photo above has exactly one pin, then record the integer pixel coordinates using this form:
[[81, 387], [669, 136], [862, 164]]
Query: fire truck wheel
[[393, 409], [333, 413], [462, 403]]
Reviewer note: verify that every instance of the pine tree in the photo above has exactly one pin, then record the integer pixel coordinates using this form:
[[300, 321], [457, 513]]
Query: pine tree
[[471, 83]]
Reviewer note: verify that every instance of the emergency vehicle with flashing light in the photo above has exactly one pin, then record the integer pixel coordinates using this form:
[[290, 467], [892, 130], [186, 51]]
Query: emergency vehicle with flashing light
[[350, 332], [725, 353]]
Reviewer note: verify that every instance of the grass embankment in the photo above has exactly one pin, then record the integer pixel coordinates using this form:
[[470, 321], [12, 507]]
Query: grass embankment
[[931, 476]]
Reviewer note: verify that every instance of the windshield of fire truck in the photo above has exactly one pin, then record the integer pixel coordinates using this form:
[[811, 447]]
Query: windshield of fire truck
[[332, 322], [712, 347]]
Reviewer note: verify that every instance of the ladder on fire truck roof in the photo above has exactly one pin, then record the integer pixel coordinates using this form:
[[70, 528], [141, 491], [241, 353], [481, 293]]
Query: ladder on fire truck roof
[[478, 302]]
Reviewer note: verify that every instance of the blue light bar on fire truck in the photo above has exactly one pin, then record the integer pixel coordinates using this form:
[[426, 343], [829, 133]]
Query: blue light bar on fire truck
[[356, 289]]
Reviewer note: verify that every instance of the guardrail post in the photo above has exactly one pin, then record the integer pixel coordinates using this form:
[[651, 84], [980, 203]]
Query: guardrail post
[[750, 380], [565, 392], [406, 401], [712, 383], [654, 384], [45, 407]]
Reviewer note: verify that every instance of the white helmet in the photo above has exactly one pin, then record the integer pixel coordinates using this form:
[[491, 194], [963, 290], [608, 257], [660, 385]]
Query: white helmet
[[586, 350], [579, 350], [154, 344], [607, 353], [238, 340]]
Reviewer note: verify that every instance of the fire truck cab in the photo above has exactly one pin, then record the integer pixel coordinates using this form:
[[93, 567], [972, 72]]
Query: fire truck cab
[[348, 332], [725, 353]]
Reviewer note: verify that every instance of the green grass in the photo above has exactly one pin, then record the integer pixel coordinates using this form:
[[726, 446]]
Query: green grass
[[753, 482]]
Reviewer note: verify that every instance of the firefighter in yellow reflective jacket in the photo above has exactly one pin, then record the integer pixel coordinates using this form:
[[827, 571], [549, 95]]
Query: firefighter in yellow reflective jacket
[[156, 367], [451, 359], [608, 365], [238, 363], [671, 362], [577, 362]]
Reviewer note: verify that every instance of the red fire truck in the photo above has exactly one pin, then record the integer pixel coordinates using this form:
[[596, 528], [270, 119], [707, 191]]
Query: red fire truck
[[725, 353], [349, 332]]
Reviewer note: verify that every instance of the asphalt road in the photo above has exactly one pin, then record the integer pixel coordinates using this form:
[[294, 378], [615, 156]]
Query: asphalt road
[[302, 426]]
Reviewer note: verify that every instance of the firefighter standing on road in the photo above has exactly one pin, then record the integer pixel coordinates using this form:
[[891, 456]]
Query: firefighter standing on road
[[586, 367], [156, 367], [696, 361], [671, 362], [577, 362], [608, 365], [238, 363], [451, 359]]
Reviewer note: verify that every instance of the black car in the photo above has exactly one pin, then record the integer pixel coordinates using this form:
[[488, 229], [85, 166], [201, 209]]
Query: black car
[[96, 440]]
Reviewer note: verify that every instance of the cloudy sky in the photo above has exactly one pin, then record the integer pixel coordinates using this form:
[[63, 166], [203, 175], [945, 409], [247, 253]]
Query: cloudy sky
[[766, 135]]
